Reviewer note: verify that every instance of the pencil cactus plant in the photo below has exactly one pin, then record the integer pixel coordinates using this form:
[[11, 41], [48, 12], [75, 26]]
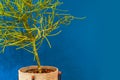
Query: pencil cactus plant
[[26, 23]]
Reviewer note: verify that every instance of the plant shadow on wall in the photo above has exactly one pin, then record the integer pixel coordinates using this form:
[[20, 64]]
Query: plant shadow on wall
[[19, 59]]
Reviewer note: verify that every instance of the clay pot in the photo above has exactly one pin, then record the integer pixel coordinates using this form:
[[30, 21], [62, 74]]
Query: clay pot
[[23, 75]]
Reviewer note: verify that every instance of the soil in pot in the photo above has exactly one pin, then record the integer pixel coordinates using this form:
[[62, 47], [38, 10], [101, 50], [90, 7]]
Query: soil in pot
[[37, 71]]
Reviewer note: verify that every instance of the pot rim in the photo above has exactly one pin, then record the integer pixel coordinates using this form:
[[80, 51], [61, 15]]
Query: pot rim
[[23, 69]]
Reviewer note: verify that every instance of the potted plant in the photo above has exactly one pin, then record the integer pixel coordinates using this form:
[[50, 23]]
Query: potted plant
[[25, 24]]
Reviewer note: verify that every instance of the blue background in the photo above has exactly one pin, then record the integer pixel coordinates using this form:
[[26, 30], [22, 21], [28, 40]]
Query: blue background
[[86, 50]]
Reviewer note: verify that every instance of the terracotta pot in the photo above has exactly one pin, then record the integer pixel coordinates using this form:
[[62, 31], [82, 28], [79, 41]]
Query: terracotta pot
[[23, 75]]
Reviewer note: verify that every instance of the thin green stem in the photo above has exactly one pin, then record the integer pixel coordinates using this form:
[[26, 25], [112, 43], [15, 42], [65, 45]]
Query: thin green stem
[[36, 56]]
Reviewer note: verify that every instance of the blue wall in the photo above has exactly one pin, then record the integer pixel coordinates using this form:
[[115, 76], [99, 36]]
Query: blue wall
[[86, 50]]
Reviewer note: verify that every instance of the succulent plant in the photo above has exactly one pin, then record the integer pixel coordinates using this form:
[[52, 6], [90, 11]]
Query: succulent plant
[[26, 23]]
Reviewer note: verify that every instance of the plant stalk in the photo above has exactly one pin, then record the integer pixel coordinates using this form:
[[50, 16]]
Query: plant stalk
[[36, 56]]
